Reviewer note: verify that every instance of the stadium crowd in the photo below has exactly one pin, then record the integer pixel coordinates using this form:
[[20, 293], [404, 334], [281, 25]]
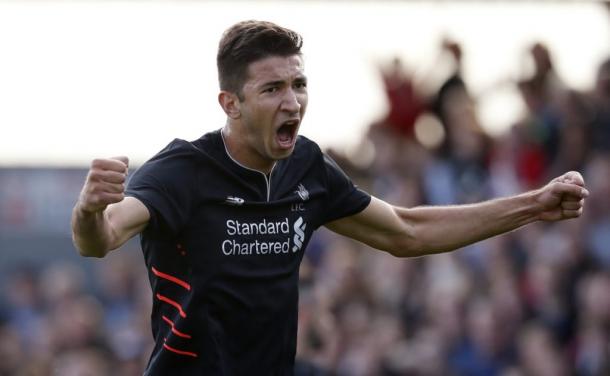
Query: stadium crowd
[[532, 302]]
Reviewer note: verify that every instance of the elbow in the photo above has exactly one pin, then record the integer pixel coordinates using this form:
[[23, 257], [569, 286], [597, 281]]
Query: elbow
[[406, 252], [417, 249], [398, 252], [406, 247], [98, 254], [406, 242], [414, 241], [89, 251]]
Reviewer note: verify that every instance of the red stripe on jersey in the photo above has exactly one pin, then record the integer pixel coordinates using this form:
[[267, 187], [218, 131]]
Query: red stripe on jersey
[[171, 278], [174, 330], [181, 352], [172, 302]]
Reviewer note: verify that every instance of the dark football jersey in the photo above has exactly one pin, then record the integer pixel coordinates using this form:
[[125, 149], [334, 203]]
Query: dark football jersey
[[223, 248]]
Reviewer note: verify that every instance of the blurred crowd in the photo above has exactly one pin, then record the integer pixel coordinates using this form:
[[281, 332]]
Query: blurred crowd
[[532, 302]]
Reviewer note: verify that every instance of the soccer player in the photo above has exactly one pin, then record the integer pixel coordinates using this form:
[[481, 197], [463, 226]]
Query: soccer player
[[224, 220]]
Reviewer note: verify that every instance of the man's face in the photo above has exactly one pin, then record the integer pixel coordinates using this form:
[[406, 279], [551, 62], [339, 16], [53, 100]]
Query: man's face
[[274, 102]]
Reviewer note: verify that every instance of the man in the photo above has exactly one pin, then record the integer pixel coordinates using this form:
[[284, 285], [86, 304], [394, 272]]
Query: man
[[224, 220]]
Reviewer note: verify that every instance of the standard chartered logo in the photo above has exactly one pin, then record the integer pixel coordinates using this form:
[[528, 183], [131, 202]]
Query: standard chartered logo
[[299, 234], [263, 237]]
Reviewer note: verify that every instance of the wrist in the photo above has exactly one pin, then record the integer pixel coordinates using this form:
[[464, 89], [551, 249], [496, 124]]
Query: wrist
[[534, 204], [85, 212], [524, 208]]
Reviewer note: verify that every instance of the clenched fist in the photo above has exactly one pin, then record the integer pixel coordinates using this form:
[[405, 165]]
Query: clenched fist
[[105, 184], [563, 197]]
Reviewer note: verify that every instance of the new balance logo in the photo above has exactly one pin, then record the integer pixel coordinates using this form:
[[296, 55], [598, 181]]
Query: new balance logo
[[302, 192], [234, 200], [299, 234]]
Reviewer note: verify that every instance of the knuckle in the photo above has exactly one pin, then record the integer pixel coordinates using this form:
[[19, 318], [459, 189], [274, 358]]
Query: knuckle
[[90, 188], [115, 188], [95, 175], [97, 163]]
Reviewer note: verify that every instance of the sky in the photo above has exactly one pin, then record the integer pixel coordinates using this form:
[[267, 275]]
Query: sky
[[87, 79]]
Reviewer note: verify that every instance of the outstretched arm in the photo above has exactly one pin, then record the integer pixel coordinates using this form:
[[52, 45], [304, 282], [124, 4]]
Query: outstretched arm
[[103, 219], [419, 231]]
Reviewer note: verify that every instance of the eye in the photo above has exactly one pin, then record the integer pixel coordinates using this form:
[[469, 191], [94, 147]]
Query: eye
[[300, 85], [270, 89]]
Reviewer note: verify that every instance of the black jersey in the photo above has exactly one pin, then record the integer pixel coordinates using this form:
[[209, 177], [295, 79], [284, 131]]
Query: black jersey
[[223, 248]]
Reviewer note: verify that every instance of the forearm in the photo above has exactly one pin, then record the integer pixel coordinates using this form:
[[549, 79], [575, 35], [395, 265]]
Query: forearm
[[408, 232], [437, 229], [103, 218], [91, 233]]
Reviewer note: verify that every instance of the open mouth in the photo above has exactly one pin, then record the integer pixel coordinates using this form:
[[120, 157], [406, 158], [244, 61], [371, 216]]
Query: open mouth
[[287, 133]]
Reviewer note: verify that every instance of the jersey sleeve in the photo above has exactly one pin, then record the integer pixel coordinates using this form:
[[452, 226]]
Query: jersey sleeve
[[165, 185], [344, 197]]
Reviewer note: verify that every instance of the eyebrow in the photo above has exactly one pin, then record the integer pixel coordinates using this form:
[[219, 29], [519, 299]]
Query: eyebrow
[[273, 83], [299, 79]]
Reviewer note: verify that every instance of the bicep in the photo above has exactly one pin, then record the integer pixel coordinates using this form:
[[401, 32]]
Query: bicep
[[378, 226], [126, 219]]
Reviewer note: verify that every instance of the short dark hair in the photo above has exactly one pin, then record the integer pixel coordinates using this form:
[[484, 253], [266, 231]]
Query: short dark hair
[[250, 41]]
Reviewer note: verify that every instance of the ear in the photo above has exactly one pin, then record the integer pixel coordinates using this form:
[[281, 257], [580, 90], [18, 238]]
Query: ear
[[230, 104]]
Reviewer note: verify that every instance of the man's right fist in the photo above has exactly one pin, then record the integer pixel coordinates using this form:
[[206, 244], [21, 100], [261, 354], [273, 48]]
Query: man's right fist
[[105, 184]]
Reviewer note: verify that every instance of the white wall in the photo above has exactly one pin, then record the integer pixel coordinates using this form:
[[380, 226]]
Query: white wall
[[85, 79]]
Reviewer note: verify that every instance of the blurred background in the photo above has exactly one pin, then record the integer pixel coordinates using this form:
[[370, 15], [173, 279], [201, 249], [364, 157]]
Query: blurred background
[[422, 103]]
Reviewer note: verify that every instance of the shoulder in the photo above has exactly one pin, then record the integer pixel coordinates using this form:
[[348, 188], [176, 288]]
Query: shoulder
[[307, 150], [185, 152], [209, 141], [179, 161], [305, 144], [309, 153], [199, 146]]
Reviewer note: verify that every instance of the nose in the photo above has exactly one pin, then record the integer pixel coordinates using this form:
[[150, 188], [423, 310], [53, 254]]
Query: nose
[[290, 102]]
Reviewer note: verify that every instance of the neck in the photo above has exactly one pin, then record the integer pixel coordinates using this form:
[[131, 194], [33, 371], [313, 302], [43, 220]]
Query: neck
[[238, 149]]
